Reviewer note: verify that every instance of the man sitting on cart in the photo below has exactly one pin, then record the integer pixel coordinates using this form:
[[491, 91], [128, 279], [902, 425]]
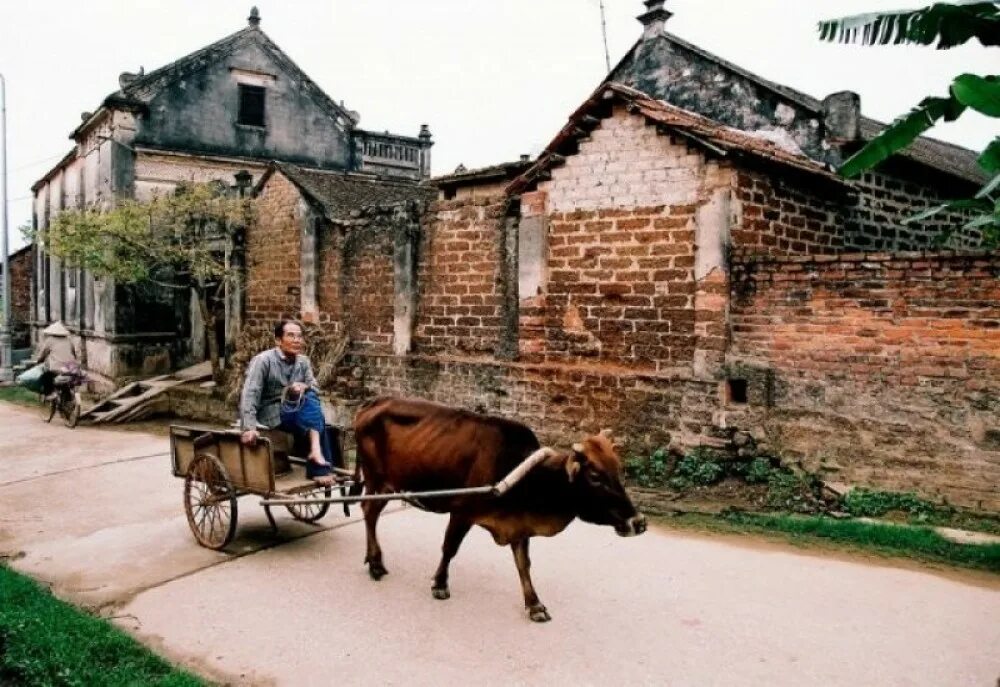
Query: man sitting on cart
[[280, 391]]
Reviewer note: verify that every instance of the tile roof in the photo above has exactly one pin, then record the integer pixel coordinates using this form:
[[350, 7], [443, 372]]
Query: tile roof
[[945, 157], [701, 131], [340, 194], [504, 170]]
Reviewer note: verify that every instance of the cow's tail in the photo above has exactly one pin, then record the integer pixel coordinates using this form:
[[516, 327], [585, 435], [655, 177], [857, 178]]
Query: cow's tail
[[361, 427]]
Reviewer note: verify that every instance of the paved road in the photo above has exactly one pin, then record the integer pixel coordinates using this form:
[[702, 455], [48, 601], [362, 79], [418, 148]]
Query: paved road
[[84, 511]]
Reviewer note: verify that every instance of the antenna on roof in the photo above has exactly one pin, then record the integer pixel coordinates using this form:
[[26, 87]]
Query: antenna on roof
[[604, 33]]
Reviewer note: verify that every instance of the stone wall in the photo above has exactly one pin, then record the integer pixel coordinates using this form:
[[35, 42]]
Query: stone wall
[[876, 369]]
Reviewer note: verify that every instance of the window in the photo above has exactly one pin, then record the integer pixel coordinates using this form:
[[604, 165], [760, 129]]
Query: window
[[251, 105]]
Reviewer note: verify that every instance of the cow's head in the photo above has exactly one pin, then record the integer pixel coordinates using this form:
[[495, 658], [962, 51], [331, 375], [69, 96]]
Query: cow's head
[[595, 471]]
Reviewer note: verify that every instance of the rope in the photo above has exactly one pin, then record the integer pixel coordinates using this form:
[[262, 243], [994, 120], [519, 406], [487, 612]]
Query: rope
[[291, 406]]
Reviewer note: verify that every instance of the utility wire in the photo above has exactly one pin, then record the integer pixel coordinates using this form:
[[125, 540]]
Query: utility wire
[[604, 33], [37, 162]]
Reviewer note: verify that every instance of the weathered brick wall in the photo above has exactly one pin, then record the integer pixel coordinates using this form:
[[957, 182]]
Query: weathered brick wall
[[330, 275], [779, 214], [273, 254], [367, 286], [459, 277], [895, 193], [561, 403], [20, 292], [622, 218], [876, 369], [621, 289]]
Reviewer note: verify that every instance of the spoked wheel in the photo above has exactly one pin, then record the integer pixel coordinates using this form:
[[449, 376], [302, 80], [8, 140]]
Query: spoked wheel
[[210, 501], [69, 407], [311, 512]]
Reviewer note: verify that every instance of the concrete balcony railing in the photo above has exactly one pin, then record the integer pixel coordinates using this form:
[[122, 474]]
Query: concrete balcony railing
[[397, 156]]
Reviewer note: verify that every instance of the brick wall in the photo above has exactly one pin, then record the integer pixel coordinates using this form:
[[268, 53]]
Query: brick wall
[[273, 254], [875, 368], [780, 215], [622, 236], [621, 289], [367, 286], [887, 197], [459, 277], [561, 403], [20, 291]]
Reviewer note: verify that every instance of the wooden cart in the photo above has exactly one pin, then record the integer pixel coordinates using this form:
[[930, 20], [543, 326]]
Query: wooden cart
[[217, 468]]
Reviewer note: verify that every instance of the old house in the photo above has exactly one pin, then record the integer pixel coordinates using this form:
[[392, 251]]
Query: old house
[[668, 68], [227, 109], [690, 278]]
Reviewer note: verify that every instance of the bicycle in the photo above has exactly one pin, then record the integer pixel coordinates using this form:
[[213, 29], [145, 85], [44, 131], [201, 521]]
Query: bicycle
[[65, 398]]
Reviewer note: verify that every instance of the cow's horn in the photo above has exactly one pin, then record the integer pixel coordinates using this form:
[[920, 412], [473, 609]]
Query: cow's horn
[[578, 448], [606, 433]]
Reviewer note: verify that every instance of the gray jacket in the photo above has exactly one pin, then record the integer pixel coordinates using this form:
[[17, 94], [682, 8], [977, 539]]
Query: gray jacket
[[267, 375]]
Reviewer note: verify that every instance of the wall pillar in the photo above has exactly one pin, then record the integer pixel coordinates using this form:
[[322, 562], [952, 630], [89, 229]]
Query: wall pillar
[[404, 285], [308, 264], [711, 328]]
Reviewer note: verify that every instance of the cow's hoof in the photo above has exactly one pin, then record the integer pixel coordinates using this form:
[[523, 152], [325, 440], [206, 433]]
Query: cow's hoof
[[538, 614], [377, 571], [441, 593]]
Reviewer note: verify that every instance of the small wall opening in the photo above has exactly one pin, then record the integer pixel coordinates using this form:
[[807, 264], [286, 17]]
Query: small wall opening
[[736, 391]]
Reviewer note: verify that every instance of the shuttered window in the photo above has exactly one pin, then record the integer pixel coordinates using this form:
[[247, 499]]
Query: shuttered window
[[251, 105]]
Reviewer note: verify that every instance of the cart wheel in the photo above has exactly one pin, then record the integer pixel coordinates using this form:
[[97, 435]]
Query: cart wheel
[[311, 512], [71, 409], [210, 502]]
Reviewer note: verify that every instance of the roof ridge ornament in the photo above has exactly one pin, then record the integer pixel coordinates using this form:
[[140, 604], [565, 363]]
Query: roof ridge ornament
[[654, 18], [254, 18]]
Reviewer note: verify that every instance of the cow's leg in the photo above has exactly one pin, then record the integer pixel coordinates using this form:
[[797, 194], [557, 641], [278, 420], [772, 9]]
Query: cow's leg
[[536, 611], [372, 509], [458, 527]]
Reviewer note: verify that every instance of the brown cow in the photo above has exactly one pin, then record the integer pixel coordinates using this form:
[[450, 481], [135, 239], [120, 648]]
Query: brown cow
[[413, 445]]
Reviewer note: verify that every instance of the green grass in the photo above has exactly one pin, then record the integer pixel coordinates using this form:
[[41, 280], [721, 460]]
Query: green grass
[[901, 541], [18, 395], [44, 641]]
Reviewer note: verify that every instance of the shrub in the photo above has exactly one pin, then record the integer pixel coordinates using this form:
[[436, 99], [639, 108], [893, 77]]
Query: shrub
[[758, 471], [870, 503], [649, 472], [699, 467]]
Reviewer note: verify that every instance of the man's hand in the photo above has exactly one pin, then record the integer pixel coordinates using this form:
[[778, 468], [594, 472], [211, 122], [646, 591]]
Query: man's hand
[[250, 437], [299, 387]]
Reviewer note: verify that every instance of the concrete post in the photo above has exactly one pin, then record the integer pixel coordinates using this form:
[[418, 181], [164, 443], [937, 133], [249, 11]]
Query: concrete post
[[405, 278], [6, 354]]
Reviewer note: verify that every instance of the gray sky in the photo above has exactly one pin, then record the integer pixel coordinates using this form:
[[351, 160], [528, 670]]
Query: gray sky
[[493, 78]]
